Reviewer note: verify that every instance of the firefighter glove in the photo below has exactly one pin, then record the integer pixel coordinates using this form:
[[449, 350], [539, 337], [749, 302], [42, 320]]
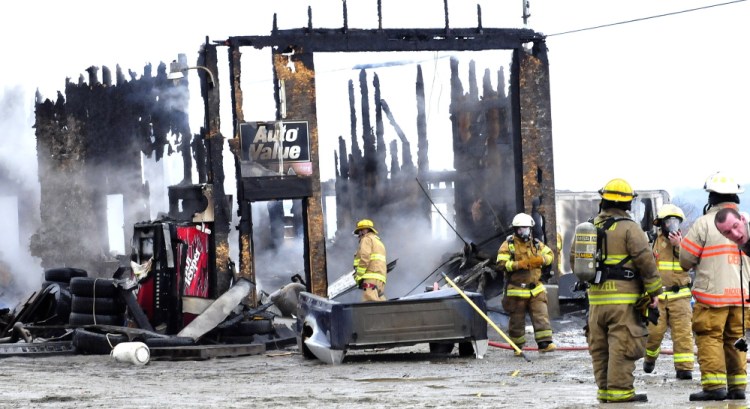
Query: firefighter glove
[[536, 261], [522, 264], [648, 313]]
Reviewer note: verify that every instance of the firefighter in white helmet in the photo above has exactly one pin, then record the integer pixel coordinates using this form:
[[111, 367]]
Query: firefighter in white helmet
[[370, 268], [626, 270], [674, 303], [522, 257], [720, 290]]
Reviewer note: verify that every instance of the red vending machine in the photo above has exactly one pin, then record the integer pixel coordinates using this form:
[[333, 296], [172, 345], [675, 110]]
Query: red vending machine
[[193, 252]]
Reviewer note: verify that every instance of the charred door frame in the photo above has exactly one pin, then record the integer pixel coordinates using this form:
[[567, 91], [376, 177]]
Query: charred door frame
[[530, 107]]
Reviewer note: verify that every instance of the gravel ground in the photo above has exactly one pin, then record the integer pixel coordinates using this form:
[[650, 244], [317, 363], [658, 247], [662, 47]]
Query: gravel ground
[[406, 377]]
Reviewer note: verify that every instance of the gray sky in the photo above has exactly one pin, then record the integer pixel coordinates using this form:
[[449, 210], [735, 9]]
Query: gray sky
[[660, 102]]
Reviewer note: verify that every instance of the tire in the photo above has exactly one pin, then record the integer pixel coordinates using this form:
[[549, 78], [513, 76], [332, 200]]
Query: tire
[[88, 319], [169, 342], [465, 349], [306, 353], [94, 343], [99, 305], [64, 274], [251, 327], [62, 304], [90, 287], [441, 348]]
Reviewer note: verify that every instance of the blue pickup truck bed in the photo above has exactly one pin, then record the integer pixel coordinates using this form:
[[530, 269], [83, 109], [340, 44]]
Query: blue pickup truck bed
[[326, 329]]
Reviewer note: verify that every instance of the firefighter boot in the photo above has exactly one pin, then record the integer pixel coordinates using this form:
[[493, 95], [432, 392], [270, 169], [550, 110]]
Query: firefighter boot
[[547, 346], [638, 397], [736, 394], [680, 374], [648, 366], [716, 394]]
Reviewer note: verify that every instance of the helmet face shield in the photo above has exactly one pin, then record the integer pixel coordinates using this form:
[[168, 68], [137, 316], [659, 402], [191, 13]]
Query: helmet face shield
[[523, 232], [670, 225]]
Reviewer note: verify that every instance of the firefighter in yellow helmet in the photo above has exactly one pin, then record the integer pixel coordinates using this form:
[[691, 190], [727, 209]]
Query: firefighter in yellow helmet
[[674, 303], [615, 332], [522, 257], [719, 295], [370, 267]]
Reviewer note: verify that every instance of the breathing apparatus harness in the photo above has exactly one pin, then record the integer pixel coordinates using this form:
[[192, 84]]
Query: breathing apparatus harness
[[606, 272]]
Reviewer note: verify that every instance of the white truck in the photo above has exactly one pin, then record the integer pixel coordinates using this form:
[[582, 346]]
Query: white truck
[[573, 208]]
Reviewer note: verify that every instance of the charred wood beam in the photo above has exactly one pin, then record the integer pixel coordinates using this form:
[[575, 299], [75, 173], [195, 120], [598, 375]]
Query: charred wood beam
[[395, 168], [423, 161], [369, 141], [447, 21], [346, 17], [536, 139], [215, 147], [379, 140], [479, 19], [406, 162], [333, 40], [380, 15], [301, 103], [245, 227]]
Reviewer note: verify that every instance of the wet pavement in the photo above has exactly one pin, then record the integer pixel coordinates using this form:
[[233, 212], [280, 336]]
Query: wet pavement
[[405, 377]]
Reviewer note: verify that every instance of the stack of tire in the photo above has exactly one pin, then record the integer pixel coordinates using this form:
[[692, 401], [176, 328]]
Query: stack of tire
[[57, 285], [95, 301], [62, 276]]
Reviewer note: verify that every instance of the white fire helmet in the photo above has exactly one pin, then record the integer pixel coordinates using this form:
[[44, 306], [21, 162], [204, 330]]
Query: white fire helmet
[[522, 220], [723, 184]]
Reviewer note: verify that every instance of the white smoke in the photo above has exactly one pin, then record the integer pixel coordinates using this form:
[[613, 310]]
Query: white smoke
[[19, 188]]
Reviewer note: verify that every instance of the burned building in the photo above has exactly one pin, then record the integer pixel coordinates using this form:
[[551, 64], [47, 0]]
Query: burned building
[[501, 141]]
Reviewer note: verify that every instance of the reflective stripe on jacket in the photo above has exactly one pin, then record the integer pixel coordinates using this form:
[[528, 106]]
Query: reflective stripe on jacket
[[513, 250], [369, 261], [716, 261], [672, 275]]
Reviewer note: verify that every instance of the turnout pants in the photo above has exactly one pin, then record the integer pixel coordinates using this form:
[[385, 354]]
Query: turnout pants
[[676, 316], [536, 307], [373, 290], [716, 330], [617, 338]]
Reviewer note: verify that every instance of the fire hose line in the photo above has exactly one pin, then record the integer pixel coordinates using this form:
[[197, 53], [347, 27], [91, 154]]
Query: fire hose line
[[568, 348], [563, 348]]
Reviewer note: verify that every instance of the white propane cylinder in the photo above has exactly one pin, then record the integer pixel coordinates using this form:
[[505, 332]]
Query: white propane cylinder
[[131, 352], [584, 250]]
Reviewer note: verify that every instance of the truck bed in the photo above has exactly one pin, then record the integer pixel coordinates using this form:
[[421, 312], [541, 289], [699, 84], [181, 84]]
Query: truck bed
[[326, 329]]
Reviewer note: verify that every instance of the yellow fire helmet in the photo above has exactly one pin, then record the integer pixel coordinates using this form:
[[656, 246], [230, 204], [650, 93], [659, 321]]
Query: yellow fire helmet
[[365, 224], [617, 190], [668, 210]]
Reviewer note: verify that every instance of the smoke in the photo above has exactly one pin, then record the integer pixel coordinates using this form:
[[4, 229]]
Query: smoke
[[408, 240], [19, 189], [18, 144]]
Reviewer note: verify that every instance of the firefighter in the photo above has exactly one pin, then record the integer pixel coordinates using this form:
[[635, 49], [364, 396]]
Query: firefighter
[[522, 257], [674, 303], [719, 296], [369, 262], [616, 334]]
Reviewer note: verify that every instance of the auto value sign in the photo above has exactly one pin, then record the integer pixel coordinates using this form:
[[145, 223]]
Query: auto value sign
[[273, 142]]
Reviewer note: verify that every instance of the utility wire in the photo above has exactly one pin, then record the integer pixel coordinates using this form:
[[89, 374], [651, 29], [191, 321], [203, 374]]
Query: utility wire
[[645, 18]]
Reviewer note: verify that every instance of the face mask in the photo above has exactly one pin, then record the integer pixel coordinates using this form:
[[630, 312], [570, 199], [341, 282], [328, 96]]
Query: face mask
[[670, 225], [524, 233]]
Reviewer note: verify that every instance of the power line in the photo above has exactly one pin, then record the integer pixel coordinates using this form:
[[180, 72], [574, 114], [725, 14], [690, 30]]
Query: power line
[[646, 18]]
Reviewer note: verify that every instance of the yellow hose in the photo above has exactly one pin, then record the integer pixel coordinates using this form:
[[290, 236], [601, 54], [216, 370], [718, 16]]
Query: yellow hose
[[480, 312]]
